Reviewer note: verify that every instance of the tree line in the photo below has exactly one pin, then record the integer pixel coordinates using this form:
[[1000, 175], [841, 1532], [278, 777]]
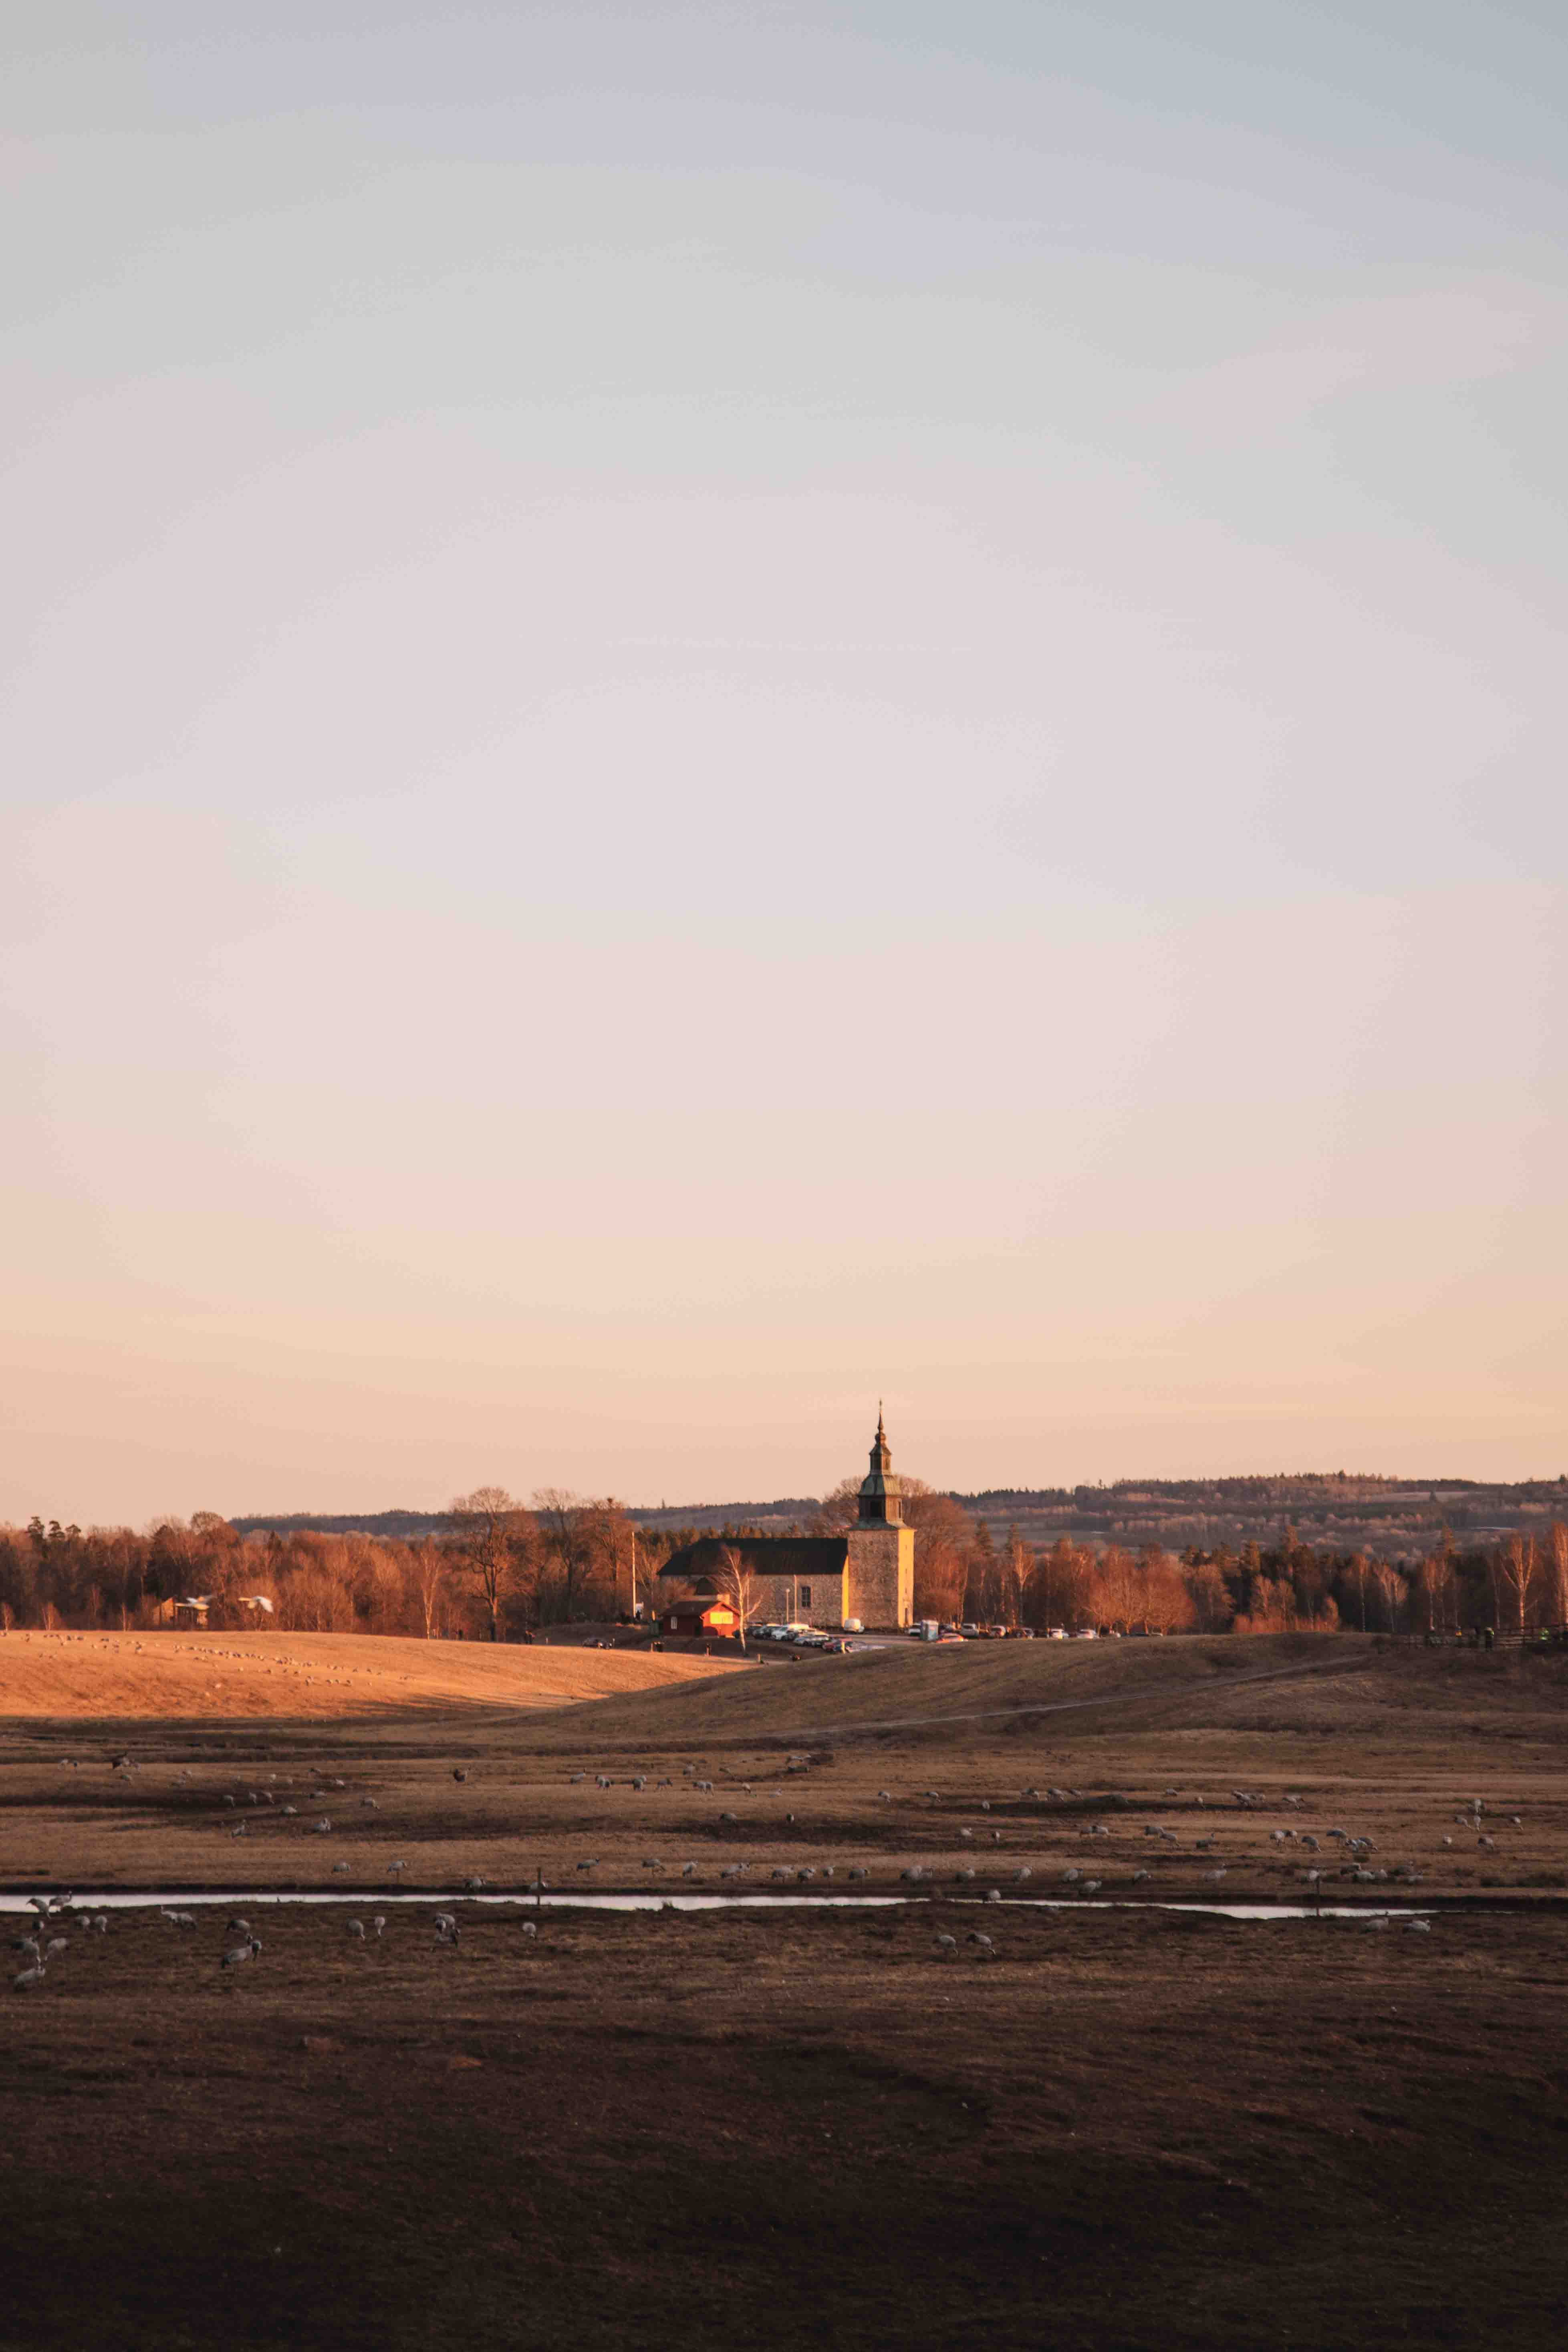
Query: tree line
[[500, 1568], [497, 1569], [962, 1573]]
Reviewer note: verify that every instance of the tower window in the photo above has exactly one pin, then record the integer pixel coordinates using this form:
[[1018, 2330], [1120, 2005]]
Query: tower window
[[806, 1596]]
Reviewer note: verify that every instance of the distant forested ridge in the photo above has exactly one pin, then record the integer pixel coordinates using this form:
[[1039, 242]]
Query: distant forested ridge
[[1386, 1514]]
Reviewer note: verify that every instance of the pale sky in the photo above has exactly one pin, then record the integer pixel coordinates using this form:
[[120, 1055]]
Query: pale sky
[[708, 712]]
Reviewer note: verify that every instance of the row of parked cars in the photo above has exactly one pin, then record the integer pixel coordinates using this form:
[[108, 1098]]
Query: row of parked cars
[[797, 1637], [928, 1630]]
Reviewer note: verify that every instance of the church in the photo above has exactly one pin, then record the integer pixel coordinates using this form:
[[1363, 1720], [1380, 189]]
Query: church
[[866, 1575]]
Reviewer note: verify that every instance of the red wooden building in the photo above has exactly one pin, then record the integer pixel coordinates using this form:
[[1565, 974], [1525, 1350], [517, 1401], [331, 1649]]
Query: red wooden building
[[700, 1613]]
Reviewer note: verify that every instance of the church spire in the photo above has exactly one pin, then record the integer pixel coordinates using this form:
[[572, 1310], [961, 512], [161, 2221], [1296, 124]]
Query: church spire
[[880, 1500]]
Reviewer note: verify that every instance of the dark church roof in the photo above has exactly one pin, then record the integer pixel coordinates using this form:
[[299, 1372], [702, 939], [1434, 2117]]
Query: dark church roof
[[765, 1555]]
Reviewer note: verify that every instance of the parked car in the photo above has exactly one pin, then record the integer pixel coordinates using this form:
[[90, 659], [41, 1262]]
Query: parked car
[[1056, 1632], [970, 1632]]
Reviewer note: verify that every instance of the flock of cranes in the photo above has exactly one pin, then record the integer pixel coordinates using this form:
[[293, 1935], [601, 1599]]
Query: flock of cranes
[[40, 1949]]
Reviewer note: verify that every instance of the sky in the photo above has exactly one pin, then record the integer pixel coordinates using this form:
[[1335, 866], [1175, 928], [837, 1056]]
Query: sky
[[711, 712]]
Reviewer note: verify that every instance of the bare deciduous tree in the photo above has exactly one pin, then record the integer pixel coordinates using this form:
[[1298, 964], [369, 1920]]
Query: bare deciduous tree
[[428, 1576], [1557, 1573], [490, 1527], [740, 1586], [1391, 1584], [1517, 1563], [1167, 1605]]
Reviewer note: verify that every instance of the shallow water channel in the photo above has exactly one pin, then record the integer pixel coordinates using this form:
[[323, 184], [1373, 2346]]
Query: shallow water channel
[[144, 1899]]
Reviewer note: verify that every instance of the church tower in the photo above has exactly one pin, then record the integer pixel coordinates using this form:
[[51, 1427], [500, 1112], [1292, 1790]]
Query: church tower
[[881, 1563], [882, 1504]]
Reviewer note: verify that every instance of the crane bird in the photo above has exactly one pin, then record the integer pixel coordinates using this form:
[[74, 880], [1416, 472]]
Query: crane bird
[[378, 1923], [528, 1927], [357, 1929], [29, 1977], [947, 1944], [857, 1870], [241, 1953], [238, 1927], [984, 1942]]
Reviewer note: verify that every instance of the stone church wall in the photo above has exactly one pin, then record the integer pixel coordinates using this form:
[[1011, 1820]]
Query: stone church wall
[[881, 1575], [780, 1601]]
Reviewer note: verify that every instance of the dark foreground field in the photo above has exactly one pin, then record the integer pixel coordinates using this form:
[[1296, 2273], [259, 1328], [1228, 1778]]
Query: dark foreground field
[[793, 2129], [779, 2128]]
